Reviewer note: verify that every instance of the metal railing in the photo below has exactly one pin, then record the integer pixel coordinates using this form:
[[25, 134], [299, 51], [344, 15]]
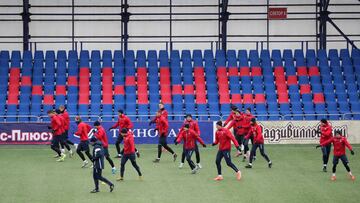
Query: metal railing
[[180, 117], [211, 44]]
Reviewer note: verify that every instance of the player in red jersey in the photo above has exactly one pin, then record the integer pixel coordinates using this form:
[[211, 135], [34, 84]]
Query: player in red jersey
[[326, 134], [190, 137], [339, 143], [246, 128], [231, 116], [65, 114], [129, 153], [223, 137], [162, 127], [100, 134], [163, 111], [256, 133], [57, 131], [64, 136], [123, 122], [237, 125], [195, 127], [83, 132]]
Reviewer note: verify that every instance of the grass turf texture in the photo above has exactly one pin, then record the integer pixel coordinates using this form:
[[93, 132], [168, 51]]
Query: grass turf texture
[[30, 174]]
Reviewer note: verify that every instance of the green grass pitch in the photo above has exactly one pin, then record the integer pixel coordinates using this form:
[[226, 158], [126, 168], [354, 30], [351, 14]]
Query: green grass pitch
[[30, 174]]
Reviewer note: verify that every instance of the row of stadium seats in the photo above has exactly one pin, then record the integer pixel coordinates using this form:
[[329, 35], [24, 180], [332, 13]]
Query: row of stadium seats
[[275, 85]]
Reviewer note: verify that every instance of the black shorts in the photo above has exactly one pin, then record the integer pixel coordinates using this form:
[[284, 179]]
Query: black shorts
[[56, 140], [106, 152], [119, 139], [343, 158], [83, 146], [162, 140], [63, 137]]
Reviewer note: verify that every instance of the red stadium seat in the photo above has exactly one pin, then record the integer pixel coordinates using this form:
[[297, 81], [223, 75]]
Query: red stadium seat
[[279, 71], [244, 71], [25, 81], [72, 81], [221, 73], [305, 89], [119, 89], [142, 89], [292, 80], [224, 98], [176, 89], [107, 71], [189, 89], [236, 99], [248, 99], [107, 91], [201, 98], [84, 98], [107, 99], [14, 84], [318, 98], [302, 71], [198, 71], [60, 90], [13, 99], [314, 71], [141, 71], [37, 90], [130, 81], [256, 71], [166, 98], [84, 72], [281, 88], [283, 98], [48, 99], [280, 79], [143, 99], [260, 99], [233, 71]]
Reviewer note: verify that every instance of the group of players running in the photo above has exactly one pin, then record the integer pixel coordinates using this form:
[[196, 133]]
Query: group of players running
[[244, 125]]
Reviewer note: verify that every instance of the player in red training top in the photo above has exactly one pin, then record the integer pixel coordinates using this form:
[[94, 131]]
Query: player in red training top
[[256, 132], [246, 128], [223, 137], [231, 116], [83, 132], [339, 143], [190, 137], [65, 114], [129, 153], [123, 122], [57, 131], [162, 127], [195, 127], [100, 134], [326, 134], [237, 125], [64, 136]]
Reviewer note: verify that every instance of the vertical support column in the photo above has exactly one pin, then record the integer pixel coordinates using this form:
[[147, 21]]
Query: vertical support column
[[219, 25], [223, 19], [170, 34], [316, 24], [26, 19], [125, 18], [122, 25], [267, 25], [73, 25], [324, 14]]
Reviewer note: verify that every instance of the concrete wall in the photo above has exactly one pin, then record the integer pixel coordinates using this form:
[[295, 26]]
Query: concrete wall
[[161, 28]]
